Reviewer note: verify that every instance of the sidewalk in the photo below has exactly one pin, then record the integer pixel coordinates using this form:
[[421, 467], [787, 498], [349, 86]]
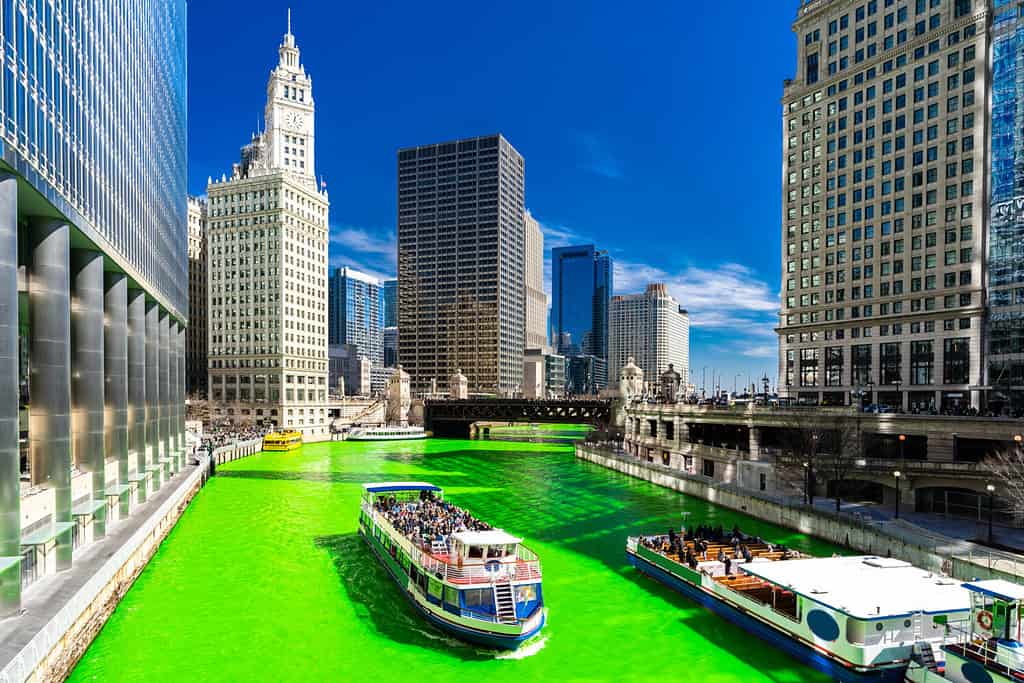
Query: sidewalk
[[44, 600], [952, 527]]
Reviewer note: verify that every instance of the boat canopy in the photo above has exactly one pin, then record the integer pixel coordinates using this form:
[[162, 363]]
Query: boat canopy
[[492, 537], [865, 588], [390, 486], [999, 589]]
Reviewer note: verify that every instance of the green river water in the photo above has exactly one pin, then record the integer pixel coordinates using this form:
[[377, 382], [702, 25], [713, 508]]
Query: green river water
[[265, 578]]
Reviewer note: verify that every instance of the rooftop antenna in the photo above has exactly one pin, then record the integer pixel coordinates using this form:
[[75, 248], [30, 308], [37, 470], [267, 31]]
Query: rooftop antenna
[[289, 21]]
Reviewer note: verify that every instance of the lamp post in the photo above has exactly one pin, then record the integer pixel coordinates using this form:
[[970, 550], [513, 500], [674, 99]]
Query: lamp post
[[903, 440], [897, 474], [807, 481], [991, 490]]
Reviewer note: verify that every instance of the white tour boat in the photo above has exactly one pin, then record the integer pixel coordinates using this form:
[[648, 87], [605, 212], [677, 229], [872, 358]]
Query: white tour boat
[[854, 618], [386, 433]]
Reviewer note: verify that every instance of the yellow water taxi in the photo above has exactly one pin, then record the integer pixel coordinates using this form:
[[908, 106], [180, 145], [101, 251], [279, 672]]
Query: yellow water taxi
[[282, 441]]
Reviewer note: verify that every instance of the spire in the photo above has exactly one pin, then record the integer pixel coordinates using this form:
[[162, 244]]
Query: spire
[[289, 21], [289, 39]]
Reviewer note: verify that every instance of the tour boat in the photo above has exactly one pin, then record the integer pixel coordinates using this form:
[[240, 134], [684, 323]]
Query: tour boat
[[386, 433], [481, 586], [988, 649], [282, 441], [853, 618]]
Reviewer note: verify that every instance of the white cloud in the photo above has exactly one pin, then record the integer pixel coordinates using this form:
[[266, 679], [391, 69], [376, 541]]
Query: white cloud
[[373, 252], [727, 296]]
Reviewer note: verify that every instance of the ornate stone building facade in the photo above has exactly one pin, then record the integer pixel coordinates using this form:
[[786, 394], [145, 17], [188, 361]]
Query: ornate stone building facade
[[268, 239]]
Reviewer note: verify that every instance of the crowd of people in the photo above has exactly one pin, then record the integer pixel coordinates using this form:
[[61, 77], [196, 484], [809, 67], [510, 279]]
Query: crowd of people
[[428, 519], [693, 544], [215, 436]]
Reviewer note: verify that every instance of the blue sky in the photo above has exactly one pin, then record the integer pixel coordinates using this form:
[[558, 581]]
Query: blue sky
[[652, 130]]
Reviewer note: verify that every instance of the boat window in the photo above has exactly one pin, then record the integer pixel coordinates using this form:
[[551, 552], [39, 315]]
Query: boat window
[[494, 551], [479, 597], [476, 551], [527, 593], [864, 632]]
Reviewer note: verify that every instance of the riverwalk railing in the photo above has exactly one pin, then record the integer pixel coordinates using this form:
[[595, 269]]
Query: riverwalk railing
[[236, 450]]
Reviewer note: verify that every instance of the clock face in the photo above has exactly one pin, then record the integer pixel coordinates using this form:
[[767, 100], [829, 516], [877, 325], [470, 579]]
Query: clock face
[[293, 120]]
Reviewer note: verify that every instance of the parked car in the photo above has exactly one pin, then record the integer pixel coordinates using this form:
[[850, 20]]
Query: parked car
[[878, 408]]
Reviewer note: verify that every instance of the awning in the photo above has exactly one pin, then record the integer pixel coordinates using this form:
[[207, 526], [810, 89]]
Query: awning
[[390, 486], [117, 491], [47, 534]]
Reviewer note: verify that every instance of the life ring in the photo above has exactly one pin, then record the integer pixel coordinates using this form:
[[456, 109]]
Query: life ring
[[493, 566], [984, 620]]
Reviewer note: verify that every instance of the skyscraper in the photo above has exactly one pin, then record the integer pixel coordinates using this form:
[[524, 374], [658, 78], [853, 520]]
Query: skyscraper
[[460, 264], [581, 289], [354, 313], [389, 303], [534, 296], [196, 334], [93, 272], [267, 237], [885, 186], [652, 329]]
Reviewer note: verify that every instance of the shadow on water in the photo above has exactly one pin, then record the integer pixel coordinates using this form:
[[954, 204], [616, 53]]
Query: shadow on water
[[378, 599], [722, 635]]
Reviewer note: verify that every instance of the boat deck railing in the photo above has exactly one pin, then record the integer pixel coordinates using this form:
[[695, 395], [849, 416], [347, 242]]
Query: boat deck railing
[[523, 567], [984, 653]]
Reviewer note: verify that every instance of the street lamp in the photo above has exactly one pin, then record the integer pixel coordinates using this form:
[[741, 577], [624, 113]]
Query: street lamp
[[991, 490], [807, 482], [903, 440], [897, 474]]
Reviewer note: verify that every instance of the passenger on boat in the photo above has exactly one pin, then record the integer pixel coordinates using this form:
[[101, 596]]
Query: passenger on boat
[[747, 556], [428, 519]]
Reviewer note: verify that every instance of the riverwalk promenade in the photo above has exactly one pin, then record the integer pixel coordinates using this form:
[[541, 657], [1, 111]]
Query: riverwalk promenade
[[63, 612], [863, 533]]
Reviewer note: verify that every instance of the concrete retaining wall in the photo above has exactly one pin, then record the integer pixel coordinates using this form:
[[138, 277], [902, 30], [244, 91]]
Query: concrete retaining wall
[[927, 551], [56, 648]]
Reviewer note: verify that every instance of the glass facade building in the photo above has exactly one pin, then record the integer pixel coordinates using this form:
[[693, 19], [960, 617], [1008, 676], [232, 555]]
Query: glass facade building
[[389, 303], [581, 292], [1006, 227], [353, 313], [93, 272]]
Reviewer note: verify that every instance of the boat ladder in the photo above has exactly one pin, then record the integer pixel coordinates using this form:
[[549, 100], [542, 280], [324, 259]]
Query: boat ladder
[[918, 626], [504, 603], [924, 655]]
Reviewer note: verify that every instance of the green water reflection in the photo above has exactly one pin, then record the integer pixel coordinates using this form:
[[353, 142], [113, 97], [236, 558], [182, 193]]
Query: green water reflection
[[265, 578]]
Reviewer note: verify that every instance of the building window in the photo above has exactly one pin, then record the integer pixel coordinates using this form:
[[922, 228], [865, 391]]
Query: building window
[[834, 366], [808, 367], [922, 360], [890, 359], [860, 360], [956, 361]]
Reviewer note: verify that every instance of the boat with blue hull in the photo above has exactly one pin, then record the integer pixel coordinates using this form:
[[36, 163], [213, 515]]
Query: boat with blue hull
[[853, 618], [474, 582]]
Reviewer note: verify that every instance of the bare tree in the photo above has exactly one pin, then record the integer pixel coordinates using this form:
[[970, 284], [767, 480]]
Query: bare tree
[[1007, 468], [819, 445]]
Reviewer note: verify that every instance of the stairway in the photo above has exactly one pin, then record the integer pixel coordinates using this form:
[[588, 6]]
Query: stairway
[[504, 603], [925, 656]]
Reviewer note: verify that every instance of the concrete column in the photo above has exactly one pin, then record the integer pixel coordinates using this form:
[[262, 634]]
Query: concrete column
[[115, 384], [182, 444], [152, 390], [137, 383], [50, 370], [755, 443], [10, 460], [172, 393], [87, 376], [165, 403]]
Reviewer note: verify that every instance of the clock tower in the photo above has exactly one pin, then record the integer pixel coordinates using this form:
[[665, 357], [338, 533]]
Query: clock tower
[[290, 112]]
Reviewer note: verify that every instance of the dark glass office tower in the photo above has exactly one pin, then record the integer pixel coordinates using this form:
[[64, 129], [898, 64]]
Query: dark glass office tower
[[461, 264], [581, 292], [1006, 227]]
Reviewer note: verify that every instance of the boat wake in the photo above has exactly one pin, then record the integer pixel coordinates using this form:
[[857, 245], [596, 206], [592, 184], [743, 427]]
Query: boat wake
[[528, 649]]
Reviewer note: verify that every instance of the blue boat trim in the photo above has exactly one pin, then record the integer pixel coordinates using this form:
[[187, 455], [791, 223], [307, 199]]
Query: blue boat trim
[[485, 638], [783, 641]]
